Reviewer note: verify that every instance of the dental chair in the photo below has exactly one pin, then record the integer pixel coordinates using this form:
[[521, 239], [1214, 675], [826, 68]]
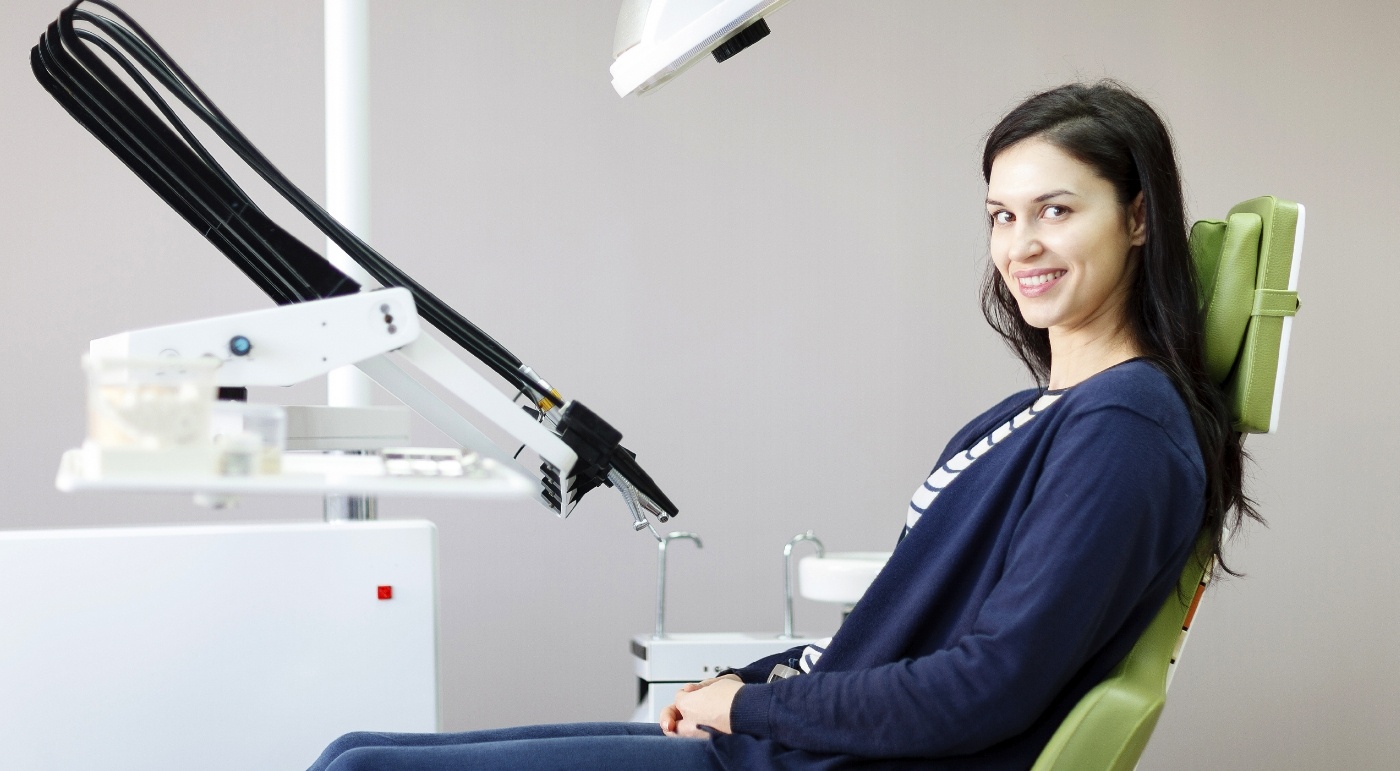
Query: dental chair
[[1248, 269]]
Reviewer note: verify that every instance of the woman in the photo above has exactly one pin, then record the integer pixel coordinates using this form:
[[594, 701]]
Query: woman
[[1051, 530]]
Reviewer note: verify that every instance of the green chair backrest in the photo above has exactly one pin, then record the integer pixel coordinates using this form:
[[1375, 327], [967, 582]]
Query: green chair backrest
[[1248, 271]]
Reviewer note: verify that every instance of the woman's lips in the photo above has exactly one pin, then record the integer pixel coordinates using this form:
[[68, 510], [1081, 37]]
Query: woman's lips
[[1038, 282]]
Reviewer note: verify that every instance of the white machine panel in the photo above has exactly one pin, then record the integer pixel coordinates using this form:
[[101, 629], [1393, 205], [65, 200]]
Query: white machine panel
[[213, 647]]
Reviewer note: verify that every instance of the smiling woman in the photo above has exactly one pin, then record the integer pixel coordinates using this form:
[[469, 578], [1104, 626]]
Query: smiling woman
[[1117, 150], [1050, 531], [1066, 249]]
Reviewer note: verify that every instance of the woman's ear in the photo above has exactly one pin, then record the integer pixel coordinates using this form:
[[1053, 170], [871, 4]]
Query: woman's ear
[[1137, 221]]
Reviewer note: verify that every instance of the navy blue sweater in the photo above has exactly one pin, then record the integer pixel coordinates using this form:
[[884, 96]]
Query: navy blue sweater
[[1028, 580]]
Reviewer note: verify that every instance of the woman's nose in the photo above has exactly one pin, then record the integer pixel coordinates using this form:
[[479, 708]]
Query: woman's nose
[[1025, 244]]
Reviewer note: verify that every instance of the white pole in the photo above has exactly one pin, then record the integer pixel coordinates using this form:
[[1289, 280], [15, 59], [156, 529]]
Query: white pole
[[347, 159], [347, 191]]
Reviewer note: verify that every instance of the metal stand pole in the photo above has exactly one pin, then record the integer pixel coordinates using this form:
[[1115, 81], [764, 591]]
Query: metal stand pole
[[348, 191]]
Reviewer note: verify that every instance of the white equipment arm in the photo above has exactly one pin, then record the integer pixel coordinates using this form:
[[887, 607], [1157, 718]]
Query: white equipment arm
[[280, 346], [435, 361]]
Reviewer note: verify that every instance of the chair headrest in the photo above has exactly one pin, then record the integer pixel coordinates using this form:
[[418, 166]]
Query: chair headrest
[[1248, 270]]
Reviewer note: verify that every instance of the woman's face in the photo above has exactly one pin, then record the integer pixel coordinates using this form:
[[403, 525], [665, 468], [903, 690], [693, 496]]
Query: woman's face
[[1060, 239]]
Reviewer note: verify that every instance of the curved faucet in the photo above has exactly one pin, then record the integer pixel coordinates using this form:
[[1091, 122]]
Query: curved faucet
[[787, 575], [661, 577]]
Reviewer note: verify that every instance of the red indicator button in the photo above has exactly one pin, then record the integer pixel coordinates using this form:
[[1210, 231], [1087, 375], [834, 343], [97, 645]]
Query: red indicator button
[[386, 592]]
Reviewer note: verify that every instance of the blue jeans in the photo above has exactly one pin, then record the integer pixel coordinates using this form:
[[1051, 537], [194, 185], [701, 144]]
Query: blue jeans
[[613, 746]]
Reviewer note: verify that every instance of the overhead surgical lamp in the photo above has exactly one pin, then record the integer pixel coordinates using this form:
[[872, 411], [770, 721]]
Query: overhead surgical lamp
[[659, 39]]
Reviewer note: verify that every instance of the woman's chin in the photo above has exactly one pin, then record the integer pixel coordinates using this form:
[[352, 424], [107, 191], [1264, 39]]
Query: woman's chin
[[1035, 316]]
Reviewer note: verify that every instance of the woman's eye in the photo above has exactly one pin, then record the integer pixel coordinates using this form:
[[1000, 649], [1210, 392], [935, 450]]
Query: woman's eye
[[1001, 217], [1055, 211]]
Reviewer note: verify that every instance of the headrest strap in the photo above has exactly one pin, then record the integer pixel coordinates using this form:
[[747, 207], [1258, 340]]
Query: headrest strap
[[1274, 302]]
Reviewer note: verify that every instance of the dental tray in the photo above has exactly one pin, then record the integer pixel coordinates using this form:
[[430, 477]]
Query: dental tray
[[311, 473]]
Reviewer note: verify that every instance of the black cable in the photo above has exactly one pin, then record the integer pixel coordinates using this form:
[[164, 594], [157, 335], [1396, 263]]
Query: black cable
[[142, 52], [148, 146], [134, 138], [116, 30]]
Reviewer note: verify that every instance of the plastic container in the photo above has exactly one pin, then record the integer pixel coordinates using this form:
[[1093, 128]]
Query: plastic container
[[250, 437], [150, 404]]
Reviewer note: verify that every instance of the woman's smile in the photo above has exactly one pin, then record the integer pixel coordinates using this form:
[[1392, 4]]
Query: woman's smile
[[1034, 283]]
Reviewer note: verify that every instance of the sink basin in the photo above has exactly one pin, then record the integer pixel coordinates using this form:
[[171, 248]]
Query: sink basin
[[839, 576]]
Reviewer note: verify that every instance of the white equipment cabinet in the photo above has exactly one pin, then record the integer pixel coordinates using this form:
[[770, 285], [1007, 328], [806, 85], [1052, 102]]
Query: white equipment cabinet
[[213, 647]]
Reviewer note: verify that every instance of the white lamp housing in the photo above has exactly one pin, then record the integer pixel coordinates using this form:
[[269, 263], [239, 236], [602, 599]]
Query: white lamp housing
[[659, 39]]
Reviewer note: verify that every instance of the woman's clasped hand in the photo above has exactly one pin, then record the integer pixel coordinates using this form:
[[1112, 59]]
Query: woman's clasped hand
[[705, 703]]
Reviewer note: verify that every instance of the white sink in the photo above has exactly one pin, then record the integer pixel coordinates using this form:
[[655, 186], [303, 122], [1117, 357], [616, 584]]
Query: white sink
[[839, 576]]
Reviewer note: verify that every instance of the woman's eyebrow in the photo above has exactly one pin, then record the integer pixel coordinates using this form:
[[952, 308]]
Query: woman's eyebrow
[[1052, 194], [1039, 198]]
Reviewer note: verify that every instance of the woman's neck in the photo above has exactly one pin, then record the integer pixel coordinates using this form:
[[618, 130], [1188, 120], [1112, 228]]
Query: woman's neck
[[1075, 358]]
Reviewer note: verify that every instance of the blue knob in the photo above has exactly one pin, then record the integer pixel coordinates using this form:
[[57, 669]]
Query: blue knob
[[240, 345]]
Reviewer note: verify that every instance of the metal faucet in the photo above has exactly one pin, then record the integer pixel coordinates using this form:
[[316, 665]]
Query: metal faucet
[[787, 576], [661, 577]]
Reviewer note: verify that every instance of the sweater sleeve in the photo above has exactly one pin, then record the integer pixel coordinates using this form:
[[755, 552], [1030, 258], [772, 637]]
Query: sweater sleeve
[[758, 671], [1111, 517]]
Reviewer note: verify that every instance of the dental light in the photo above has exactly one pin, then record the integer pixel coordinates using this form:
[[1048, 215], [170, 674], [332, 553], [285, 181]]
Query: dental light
[[578, 450], [659, 39]]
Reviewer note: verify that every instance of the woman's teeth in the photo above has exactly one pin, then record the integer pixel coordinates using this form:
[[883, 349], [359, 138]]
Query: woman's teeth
[[1043, 278]]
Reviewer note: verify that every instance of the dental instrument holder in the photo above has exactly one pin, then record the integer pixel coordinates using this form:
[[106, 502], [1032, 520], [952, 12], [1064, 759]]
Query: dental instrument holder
[[788, 634], [577, 449], [660, 632]]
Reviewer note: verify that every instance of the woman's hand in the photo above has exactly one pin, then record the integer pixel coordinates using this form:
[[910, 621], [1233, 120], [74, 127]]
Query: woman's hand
[[675, 723]]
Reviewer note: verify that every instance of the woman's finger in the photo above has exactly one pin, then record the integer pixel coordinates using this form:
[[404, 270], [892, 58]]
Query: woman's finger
[[669, 717]]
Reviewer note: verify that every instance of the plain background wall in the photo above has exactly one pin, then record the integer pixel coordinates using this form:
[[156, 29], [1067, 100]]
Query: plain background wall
[[764, 275]]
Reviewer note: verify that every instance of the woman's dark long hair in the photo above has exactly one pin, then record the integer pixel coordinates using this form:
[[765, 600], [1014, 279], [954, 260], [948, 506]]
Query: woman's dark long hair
[[1121, 137]]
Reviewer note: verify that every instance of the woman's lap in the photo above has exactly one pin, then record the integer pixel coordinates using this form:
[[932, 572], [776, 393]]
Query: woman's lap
[[619, 746]]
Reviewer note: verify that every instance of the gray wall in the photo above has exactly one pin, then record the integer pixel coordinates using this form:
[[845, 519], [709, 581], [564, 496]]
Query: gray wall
[[764, 274]]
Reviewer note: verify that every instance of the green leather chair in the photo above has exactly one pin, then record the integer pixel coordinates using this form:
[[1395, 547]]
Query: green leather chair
[[1248, 267]]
